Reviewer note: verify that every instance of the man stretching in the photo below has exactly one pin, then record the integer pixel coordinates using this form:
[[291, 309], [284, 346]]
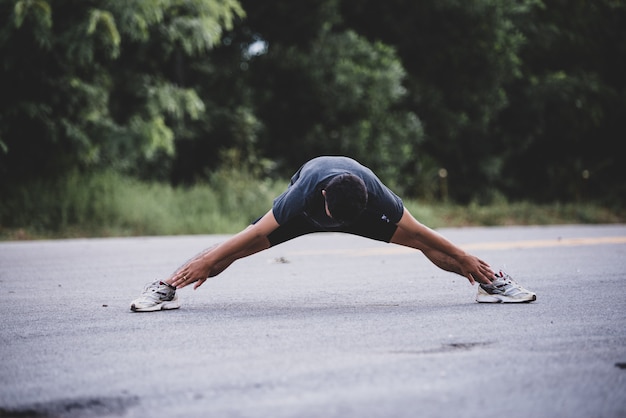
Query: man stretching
[[334, 194]]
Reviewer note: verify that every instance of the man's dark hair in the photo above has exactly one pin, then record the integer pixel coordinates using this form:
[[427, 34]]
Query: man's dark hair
[[346, 197]]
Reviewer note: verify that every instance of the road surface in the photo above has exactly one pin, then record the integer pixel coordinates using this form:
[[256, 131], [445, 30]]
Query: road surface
[[327, 325]]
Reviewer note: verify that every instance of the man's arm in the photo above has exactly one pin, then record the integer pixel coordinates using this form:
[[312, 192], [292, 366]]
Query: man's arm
[[440, 251], [249, 241]]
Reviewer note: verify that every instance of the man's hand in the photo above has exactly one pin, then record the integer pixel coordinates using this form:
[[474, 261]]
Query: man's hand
[[475, 269], [196, 270], [213, 261]]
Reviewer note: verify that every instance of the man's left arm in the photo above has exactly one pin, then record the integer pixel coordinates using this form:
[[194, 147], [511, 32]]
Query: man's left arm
[[469, 266]]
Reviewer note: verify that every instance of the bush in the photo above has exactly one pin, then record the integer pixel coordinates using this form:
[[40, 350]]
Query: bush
[[109, 204]]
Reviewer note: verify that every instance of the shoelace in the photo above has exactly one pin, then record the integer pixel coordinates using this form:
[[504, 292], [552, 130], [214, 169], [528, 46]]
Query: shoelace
[[502, 283], [152, 291], [506, 279], [151, 287]]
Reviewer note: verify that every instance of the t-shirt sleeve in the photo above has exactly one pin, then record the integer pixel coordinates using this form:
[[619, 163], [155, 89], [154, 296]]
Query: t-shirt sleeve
[[289, 204], [387, 203]]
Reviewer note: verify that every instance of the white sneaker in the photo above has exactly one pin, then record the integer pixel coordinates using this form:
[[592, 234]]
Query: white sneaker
[[503, 289], [156, 296]]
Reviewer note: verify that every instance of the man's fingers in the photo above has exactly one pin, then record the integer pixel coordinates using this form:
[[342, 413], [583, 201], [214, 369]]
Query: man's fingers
[[488, 273], [199, 283], [471, 279], [184, 278], [181, 279]]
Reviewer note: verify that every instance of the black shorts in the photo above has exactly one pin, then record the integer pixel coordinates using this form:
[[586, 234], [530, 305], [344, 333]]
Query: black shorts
[[367, 225]]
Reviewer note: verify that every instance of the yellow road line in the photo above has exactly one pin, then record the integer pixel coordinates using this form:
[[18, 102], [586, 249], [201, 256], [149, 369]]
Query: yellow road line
[[561, 242], [501, 245]]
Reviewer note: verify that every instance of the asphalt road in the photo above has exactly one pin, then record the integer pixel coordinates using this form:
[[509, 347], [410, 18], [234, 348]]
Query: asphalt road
[[327, 325]]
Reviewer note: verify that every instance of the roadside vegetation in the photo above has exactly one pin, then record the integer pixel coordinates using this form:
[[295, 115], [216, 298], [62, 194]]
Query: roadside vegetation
[[177, 117], [109, 204]]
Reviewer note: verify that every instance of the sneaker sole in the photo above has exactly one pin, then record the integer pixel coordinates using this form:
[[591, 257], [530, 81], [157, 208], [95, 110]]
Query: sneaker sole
[[165, 306], [503, 299]]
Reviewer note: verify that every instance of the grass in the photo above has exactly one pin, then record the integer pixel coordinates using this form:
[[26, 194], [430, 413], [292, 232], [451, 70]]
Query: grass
[[522, 213], [109, 204]]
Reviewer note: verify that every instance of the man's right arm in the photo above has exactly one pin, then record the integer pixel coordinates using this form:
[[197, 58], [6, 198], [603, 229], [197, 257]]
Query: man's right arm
[[231, 249]]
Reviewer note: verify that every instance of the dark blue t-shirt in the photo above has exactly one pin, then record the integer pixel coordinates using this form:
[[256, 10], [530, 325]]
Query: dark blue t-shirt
[[304, 194]]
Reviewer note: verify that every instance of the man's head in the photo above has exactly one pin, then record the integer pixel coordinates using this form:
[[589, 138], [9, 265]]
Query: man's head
[[346, 197]]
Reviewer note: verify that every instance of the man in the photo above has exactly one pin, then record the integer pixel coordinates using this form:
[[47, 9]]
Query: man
[[340, 195]]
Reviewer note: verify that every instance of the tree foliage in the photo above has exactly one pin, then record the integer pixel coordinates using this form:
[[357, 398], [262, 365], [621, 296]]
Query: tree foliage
[[88, 83], [459, 56], [520, 97], [564, 126], [337, 97]]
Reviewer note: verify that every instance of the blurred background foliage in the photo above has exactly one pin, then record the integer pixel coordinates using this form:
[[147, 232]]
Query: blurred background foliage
[[467, 101]]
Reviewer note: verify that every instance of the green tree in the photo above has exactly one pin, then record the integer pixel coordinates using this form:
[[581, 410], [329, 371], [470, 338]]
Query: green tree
[[92, 83], [524, 97], [459, 56], [564, 127], [320, 89]]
